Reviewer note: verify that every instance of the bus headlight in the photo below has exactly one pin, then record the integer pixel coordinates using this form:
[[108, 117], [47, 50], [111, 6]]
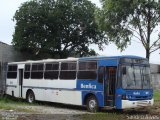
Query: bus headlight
[[128, 96]]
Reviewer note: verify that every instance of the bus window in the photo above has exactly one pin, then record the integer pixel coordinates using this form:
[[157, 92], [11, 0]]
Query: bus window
[[87, 70], [51, 71], [12, 71], [27, 71], [37, 71], [68, 70]]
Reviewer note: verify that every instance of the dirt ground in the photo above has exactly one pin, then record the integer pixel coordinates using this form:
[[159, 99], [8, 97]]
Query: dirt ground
[[68, 112]]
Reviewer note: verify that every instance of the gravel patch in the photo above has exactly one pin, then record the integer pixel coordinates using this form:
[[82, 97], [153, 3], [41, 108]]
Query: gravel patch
[[43, 112], [54, 110]]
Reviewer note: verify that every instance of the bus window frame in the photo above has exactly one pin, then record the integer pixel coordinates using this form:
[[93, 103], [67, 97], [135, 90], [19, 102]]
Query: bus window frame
[[52, 70], [37, 71], [27, 71], [68, 70], [12, 71], [96, 70]]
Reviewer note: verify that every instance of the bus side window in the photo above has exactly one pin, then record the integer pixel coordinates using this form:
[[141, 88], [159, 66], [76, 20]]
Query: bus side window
[[37, 71], [101, 70], [12, 71], [68, 70], [87, 70], [27, 71], [51, 71]]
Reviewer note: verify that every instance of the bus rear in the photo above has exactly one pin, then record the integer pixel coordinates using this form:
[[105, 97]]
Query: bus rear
[[134, 87]]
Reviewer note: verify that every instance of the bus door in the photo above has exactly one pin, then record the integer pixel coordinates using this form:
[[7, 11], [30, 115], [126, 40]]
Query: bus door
[[20, 79], [109, 80], [20, 82], [109, 86]]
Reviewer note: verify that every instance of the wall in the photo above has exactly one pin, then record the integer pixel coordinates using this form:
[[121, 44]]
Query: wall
[[155, 75], [7, 54], [156, 81]]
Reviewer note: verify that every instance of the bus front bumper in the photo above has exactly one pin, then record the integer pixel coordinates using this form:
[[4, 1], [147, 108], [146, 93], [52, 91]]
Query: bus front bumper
[[137, 103]]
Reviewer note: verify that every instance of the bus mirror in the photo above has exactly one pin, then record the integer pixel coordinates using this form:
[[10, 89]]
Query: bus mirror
[[124, 70]]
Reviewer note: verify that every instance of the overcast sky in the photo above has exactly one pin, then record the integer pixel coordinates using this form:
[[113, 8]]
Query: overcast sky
[[9, 7]]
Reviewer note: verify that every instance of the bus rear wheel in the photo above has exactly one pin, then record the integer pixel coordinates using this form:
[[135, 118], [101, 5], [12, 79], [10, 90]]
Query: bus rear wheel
[[92, 104], [30, 97]]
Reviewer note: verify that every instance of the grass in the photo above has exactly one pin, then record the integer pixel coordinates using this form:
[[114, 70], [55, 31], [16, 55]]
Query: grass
[[10, 103], [157, 95], [104, 116]]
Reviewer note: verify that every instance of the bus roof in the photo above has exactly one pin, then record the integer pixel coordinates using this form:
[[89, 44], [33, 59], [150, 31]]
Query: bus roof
[[111, 57], [44, 60], [76, 59]]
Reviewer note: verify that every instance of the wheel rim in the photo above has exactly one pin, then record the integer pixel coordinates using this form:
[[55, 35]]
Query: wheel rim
[[30, 98], [92, 104]]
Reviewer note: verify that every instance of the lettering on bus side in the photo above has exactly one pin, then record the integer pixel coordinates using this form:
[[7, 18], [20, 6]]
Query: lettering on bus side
[[90, 86], [136, 93]]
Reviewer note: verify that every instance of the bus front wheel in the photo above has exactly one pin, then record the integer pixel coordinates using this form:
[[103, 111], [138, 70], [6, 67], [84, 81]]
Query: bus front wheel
[[30, 97], [92, 104]]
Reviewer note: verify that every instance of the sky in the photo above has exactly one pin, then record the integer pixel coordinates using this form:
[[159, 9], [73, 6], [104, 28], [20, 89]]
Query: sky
[[7, 25]]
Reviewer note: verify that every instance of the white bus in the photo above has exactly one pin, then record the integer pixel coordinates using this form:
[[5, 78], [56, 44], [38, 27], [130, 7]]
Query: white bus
[[94, 81]]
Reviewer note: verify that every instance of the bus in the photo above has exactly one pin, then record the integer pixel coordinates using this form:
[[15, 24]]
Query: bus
[[118, 82]]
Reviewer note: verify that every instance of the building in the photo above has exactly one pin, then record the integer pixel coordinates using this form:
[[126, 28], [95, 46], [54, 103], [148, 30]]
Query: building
[[7, 54], [155, 75]]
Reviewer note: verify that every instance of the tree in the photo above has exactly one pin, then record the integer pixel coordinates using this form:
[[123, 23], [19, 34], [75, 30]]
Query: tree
[[56, 28], [125, 20]]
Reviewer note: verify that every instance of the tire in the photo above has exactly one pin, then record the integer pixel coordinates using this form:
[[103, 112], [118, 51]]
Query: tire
[[30, 97], [92, 104]]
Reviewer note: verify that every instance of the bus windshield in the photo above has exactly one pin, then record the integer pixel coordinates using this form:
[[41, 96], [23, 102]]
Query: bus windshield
[[135, 77]]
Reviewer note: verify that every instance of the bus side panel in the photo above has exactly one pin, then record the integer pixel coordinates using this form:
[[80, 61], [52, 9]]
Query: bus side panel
[[69, 97], [57, 95], [118, 98], [93, 87], [11, 87], [57, 84], [12, 90], [40, 94]]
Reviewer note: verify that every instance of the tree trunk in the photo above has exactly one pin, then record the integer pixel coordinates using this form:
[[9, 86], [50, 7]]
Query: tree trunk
[[148, 34], [148, 53]]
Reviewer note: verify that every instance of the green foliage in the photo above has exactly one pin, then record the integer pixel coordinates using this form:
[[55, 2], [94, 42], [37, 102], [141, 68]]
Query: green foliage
[[109, 115], [56, 28], [125, 20], [11, 103], [157, 95]]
